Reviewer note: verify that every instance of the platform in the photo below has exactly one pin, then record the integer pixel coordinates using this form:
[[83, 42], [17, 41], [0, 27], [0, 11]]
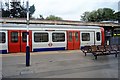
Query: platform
[[59, 64]]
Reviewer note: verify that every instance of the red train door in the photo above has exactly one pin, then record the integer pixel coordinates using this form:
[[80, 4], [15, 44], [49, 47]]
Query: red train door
[[17, 41], [24, 40], [14, 41], [70, 41], [73, 40], [76, 38]]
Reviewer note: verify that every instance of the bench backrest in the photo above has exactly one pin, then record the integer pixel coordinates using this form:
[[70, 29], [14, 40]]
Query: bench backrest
[[114, 47], [94, 48], [107, 48], [101, 48]]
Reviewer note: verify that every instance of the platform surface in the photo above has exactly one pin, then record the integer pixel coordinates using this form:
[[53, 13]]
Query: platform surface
[[59, 64]]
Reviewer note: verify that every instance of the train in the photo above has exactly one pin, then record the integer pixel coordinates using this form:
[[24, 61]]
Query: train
[[13, 37]]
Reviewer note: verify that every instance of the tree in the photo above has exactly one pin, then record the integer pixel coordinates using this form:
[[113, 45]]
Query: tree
[[17, 11], [52, 17], [102, 14], [93, 16], [5, 13], [85, 16], [117, 16], [108, 14], [32, 9]]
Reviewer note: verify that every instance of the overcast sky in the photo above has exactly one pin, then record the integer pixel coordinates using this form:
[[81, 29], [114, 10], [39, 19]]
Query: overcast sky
[[70, 9]]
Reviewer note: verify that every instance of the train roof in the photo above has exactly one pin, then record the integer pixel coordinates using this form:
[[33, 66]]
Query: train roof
[[41, 26]]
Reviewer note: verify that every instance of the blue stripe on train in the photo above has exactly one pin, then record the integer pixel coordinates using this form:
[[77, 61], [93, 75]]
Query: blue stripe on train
[[48, 49], [3, 51]]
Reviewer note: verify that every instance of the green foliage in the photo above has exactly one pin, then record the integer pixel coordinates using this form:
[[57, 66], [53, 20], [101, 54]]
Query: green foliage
[[32, 9], [85, 16], [17, 11], [102, 14], [52, 17], [117, 16], [108, 14]]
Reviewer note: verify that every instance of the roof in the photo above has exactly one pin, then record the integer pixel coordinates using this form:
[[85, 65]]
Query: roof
[[39, 26], [61, 22]]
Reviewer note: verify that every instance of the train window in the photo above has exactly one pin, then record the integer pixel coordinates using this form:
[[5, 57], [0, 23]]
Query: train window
[[98, 36], [70, 36], [58, 37], [85, 36], [24, 36], [76, 36], [14, 37], [2, 37], [40, 37]]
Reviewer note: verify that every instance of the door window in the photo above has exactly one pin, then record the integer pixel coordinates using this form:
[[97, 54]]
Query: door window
[[76, 36], [2, 37], [98, 36], [70, 36], [14, 36], [24, 36]]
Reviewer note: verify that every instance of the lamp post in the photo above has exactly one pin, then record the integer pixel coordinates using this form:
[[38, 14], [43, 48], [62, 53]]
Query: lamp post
[[27, 46]]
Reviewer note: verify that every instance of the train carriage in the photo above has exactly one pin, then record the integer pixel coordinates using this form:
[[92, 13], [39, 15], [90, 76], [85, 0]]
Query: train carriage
[[13, 37]]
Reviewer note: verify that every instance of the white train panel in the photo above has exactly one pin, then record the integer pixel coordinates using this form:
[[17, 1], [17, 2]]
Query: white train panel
[[48, 40], [87, 38], [98, 37], [40, 40], [3, 42], [58, 39]]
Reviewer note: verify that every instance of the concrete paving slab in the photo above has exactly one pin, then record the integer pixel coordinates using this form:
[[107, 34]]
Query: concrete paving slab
[[59, 64]]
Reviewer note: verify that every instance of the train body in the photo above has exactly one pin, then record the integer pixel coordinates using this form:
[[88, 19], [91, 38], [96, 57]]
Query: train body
[[13, 37]]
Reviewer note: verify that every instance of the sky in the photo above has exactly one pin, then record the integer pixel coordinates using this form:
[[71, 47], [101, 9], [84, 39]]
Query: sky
[[69, 9]]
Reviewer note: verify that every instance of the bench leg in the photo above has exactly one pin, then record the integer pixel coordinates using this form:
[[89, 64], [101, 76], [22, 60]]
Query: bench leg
[[85, 54], [116, 55], [95, 57]]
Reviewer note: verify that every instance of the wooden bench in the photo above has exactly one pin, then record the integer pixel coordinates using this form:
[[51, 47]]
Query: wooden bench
[[95, 51], [86, 49], [112, 49], [104, 50]]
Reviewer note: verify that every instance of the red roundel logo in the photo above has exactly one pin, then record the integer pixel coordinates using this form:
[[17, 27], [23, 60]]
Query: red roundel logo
[[50, 44]]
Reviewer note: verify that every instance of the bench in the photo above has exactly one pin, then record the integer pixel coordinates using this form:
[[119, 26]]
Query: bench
[[95, 51], [104, 50], [112, 49]]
